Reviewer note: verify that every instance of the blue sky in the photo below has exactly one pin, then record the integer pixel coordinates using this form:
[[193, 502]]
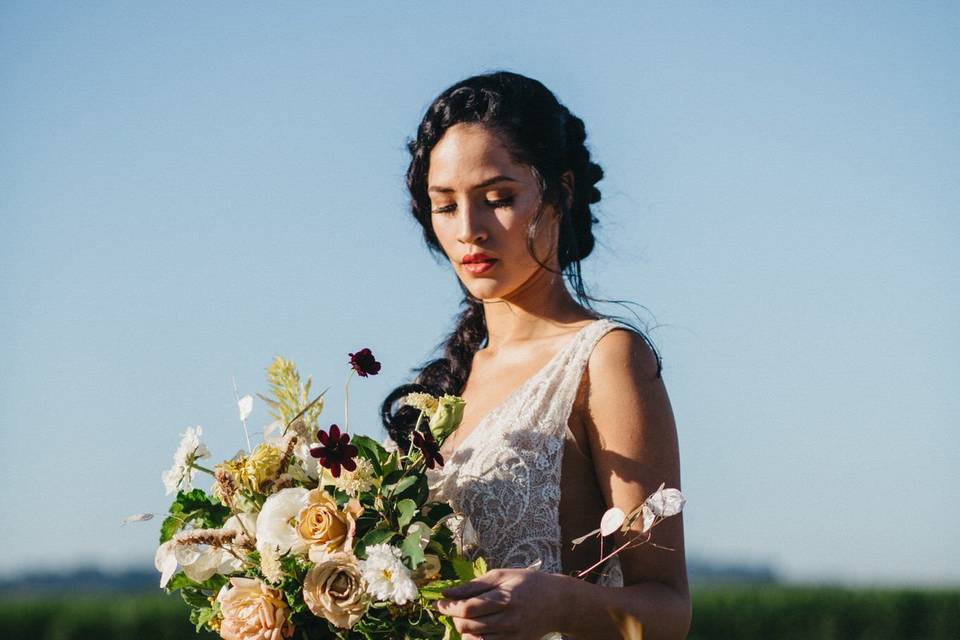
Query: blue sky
[[187, 189]]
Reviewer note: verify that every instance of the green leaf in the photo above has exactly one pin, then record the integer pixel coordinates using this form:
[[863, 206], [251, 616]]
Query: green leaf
[[200, 617], [398, 488], [411, 549], [464, 568], [181, 581], [450, 631], [390, 466], [171, 524], [434, 590], [406, 510], [197, 507], [376, 452], [375, 536], [194, 597]]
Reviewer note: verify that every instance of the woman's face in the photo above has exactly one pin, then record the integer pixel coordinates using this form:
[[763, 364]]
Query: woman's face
[[482, 202]]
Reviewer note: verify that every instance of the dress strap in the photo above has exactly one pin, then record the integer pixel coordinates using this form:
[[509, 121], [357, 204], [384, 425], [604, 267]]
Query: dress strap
[[575, 364]]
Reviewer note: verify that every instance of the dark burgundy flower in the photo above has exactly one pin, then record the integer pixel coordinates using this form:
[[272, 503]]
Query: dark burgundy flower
[[335, 450], [364, 363], [429, 447]]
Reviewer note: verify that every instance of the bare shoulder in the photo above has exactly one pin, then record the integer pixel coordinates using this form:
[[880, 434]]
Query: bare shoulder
[[623, 353]]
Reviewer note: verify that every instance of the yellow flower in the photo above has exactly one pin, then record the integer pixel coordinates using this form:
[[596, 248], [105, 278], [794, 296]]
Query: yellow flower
[[321, 524], [251, 472]]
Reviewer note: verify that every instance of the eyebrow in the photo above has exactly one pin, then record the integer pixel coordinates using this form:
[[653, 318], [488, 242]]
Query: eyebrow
[[485, 183]]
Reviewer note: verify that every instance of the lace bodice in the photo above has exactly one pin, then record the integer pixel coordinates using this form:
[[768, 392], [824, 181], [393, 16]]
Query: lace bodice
[[505, 475]]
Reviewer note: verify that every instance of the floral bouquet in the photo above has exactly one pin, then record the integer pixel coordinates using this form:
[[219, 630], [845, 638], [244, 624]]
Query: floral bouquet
[[314, 533]]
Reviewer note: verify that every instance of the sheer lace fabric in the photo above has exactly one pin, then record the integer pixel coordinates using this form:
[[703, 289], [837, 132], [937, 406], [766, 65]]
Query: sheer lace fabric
[[505, 476]]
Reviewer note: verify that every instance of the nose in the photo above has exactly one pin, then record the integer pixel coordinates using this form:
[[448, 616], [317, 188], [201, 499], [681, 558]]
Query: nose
[[471, 228]]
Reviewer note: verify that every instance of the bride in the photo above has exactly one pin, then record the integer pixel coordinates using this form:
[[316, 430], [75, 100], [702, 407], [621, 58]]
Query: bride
[[566, 412]]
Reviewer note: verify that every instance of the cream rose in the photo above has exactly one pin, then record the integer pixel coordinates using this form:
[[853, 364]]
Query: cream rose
[[334, 589], [251, 610], [321, 523]]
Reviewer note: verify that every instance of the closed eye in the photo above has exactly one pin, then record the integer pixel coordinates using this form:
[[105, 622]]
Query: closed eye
[[496, 204]]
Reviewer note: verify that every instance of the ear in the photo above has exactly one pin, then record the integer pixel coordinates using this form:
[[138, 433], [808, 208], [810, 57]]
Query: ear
[[566, 181]]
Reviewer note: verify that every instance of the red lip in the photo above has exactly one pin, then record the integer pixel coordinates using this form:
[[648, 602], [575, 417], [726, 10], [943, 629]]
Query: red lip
[[476, 257]]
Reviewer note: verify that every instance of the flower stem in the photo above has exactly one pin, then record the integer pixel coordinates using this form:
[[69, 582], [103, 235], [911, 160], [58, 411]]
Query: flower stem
[[201, 468], [304, 410], [610, 555], [243, 421], [409, 454]]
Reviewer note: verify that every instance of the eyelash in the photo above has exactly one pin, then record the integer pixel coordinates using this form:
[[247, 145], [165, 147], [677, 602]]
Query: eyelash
[[496, 204]]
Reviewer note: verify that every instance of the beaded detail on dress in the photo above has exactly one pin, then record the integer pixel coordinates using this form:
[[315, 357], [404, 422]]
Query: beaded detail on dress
[[505, 476]]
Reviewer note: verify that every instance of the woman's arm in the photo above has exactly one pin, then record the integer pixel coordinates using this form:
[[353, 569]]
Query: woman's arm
[[633, 443]]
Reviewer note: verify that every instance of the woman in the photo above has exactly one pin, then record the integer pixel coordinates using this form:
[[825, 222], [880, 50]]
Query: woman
[[566, 413]]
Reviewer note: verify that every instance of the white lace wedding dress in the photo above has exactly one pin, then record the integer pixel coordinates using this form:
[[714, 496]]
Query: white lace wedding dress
[[505, 476]]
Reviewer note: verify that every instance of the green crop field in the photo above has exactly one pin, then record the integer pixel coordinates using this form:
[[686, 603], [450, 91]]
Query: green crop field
[[736, 612]]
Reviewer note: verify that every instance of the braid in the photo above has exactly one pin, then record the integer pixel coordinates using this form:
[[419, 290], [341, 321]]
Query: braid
[[586, 175], [447, 374]]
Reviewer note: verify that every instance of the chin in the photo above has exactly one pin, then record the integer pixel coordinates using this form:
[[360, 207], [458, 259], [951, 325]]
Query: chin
[[485, 290]]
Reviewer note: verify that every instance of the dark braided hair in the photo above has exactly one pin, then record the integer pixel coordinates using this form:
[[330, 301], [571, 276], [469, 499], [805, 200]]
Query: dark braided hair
[[544, 135]]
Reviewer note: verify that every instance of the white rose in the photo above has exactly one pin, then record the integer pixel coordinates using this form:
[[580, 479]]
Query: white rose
[[276, 525]]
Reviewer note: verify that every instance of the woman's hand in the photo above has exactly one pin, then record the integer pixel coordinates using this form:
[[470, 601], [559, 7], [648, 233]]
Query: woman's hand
[[506, 604]]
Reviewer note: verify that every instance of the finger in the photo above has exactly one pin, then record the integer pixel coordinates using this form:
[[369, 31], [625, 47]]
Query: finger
[[473, 588], [476, 607], [487, 626]]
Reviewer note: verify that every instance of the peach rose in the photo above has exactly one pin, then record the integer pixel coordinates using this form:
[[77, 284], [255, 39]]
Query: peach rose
[[334, 589], [251, 610], [322, 524]]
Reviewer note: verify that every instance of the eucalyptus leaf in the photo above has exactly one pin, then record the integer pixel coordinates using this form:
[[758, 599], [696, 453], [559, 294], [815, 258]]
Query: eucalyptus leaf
[[411, 549], [406, 510]]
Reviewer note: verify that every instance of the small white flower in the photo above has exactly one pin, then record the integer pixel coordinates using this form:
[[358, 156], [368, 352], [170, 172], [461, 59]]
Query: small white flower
[[270, 564], [276, 526], [355, 482], [388, 579], [180, 475]]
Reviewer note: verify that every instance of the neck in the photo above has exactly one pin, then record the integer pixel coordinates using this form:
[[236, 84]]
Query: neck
[[536, 309]]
